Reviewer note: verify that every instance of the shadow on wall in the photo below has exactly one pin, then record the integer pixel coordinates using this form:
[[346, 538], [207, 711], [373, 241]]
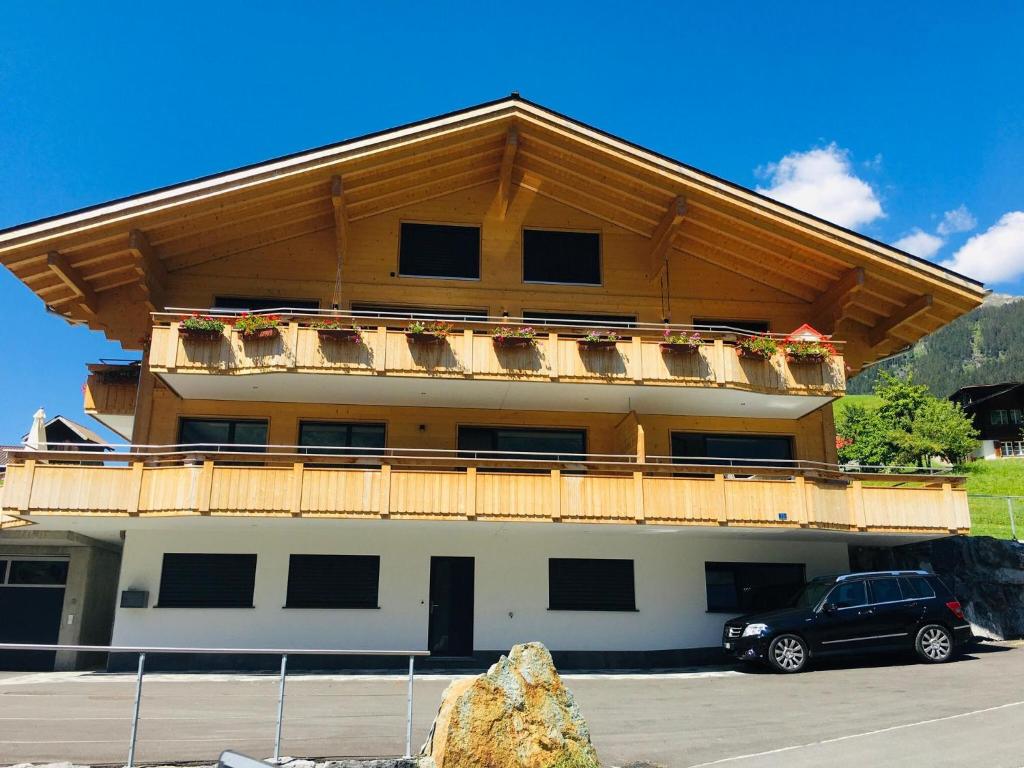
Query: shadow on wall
[[986, 574]]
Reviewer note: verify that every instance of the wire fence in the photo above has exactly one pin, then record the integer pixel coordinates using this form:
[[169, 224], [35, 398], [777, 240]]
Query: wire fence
[[999, 516]]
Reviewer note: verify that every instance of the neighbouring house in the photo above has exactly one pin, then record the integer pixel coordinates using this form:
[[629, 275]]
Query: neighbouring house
[[490, 377], [55, 585], [998, 414]]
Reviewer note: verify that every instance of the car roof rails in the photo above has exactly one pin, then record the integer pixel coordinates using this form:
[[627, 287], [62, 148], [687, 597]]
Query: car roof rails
[[881, 573]]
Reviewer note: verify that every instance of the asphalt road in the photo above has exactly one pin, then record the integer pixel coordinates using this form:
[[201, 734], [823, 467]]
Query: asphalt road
[[890, 713]]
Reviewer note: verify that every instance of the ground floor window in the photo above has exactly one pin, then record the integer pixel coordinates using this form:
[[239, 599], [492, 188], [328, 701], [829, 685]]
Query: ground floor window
[[732, 450], [207, 581], [322, 436], [333, 581], [581, 584], [549, 444], [751, 587], [34, 572], [212, 434], [1012, 448]]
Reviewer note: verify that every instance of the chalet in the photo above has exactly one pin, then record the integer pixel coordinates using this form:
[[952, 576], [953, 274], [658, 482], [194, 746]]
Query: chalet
[[998, 413], [490, 377]]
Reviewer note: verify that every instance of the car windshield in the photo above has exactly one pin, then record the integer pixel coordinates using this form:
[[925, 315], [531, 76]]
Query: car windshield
[[811, 594]]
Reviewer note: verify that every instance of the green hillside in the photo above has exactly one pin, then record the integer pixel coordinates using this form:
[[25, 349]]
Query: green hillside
[[985, 346]]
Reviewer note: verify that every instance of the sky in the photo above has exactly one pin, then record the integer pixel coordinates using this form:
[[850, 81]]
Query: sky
[[904, 121]]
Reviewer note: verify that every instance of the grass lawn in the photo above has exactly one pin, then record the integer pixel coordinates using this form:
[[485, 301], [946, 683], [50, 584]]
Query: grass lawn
[[840, 404], [1002, 477]]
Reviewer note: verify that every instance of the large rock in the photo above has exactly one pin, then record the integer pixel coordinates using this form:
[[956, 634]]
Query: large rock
[[517, 715]]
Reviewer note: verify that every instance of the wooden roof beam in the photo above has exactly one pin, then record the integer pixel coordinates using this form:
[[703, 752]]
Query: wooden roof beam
[[340, 216], [508, 162], [85, 296], [831, 307], [890, 326], [150, 269], [663, 235]]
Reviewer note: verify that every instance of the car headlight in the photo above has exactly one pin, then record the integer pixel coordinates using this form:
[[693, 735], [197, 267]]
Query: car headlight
[[754, 630]]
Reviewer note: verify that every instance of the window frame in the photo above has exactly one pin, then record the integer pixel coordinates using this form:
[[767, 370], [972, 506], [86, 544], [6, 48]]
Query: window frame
[[600, 255], [736, 566], [284, 303], [340, 606], [311, 450], [479, 251], [1002, 421], [527, 428], [220, 447], [867, 595], [592, 608], [163, 568], [871, 590], [737, 463], [10, 560]]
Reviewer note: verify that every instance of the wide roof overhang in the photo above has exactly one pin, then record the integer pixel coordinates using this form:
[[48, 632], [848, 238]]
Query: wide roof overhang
[[87, 263]]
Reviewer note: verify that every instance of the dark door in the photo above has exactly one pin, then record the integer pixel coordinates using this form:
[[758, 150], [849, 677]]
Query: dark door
[[450, 630], [30, 615], [845, 628], [894, 615]]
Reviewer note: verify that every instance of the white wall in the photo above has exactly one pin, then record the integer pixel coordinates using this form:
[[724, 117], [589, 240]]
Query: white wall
[[511, 578]]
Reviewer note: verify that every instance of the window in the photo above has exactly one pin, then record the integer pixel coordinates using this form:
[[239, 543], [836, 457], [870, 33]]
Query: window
[[415, 312], [3, 571], [1017, 416], [214, 433], [322, 436], [733, 450], [561, 257], [885, 590], [36, 573], [999, 417], [848, 594], [590, 585], [915, 586], [588, 319], [749, 587], [439, 250], [550, 444], [259, 304], [333, 581], [750, 326], [207, 581]]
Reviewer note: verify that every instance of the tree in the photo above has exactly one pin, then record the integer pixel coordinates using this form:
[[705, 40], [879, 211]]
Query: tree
[[947, 429]]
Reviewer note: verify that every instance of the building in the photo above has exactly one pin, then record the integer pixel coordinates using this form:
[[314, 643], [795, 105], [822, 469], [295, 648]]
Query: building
[[595, 488], [998, 414]]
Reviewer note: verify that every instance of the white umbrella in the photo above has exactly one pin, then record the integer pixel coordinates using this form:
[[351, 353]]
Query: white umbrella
[[36, 438]]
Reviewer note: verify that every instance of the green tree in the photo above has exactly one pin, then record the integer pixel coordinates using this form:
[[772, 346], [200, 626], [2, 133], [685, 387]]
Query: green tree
[[946, 429]]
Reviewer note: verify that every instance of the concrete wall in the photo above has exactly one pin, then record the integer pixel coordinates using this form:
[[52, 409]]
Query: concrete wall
[[511, 581]]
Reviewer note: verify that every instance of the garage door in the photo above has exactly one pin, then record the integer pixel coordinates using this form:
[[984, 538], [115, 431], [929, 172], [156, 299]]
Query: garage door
[[31, 604]]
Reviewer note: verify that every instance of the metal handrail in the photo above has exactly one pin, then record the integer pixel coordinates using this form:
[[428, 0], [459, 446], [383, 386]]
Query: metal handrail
[[284, 653]]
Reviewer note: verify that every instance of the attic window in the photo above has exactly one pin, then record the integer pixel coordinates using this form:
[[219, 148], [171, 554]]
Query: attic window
[[439, 250], [551, 256]]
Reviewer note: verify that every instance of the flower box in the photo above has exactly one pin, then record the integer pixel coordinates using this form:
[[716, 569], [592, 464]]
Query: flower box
[[807, 359], [753, 354], [200, 334], [425, 337], [340, 335], [597, 343], [259, 333], [679, 347], [513, 341]]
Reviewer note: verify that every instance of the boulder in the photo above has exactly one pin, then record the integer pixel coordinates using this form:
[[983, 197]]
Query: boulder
[[516, 715]]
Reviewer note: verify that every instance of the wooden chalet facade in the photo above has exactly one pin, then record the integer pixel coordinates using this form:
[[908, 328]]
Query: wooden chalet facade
[[352, 457]]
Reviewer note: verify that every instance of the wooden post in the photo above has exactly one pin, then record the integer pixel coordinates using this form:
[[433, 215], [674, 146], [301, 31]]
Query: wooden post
[[556, 495], [467, 352], [718, 347], [385, 490], [947, 502], [855, 496], [641, 444], [800, 489], [295, 505], [636, 360], [135, 489], [291, 346], [471, 493], [639, 513], [380, 352], [29, 472], [723, 496], [171, 347], [205, 487], [551, 356]]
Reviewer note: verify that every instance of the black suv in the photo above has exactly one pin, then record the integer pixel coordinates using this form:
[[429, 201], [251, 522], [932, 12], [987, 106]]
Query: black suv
[[854, 613]]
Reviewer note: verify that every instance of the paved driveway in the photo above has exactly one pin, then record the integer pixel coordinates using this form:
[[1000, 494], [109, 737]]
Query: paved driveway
[[893, 712]]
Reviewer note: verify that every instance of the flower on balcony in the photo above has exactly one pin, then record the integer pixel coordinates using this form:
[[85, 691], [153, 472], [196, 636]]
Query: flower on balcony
[[762, 347], [338, 331], [197, 322], [509, 336], [843, 442], [434, 330], [806, 351], [681, 341], [600, 336], [251, 326]]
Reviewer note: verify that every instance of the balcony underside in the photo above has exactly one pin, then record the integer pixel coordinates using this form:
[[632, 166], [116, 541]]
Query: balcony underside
[[475, 393]]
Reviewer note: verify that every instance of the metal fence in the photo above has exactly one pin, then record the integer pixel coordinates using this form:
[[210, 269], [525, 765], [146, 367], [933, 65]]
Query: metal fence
[[996, 515], [284, 653]]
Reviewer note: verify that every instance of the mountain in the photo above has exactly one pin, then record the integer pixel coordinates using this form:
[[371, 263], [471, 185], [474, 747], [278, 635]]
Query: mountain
[[985, 346]]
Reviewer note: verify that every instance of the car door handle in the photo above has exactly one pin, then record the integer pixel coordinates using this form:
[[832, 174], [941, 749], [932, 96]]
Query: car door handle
[[866, 612]]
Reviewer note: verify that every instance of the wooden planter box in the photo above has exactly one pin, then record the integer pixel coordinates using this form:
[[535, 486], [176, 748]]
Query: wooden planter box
[[424, 338], [741, 352], [595, 345], [200, 334], [262, 333], [514, 341], [798, 360], [679, 349], [340, 335]]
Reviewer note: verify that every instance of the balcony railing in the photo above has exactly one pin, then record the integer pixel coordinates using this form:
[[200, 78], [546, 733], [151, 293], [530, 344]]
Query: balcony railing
[[405, 484], [469, 352]]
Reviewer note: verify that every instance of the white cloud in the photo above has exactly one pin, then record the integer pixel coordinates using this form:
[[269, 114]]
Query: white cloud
[[920, 243], [821, 181], [958, 220], [996, 255]]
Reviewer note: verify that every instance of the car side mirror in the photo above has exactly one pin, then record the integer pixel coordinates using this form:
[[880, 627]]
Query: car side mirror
[[829, 608]]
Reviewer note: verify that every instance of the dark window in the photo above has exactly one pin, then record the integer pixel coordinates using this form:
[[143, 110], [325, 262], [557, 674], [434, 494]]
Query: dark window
[[207, 581], [750, 326], [561, 257], [213, 433], [408, 312], [915, 586], [848, 594], [322, 436], [333, 581], [260, 304], [590, 585], [627, 321], [733, 450], [550, 444], [439, 250], [3, 571], [998, 417], [50, 573], [749, 587], [885, 590]]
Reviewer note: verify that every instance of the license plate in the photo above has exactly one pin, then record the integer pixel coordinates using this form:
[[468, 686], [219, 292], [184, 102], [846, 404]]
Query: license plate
[[728, 646]]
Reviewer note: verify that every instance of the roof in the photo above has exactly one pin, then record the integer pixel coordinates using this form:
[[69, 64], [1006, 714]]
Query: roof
[[86, 434], [984, 392], [72, 259]]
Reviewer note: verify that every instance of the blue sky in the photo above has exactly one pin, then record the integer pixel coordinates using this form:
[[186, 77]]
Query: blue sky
[[901, 120]]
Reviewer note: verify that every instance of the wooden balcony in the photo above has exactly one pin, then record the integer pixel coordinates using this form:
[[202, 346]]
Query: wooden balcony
[[390, 363], [109, 395], [425, 485]]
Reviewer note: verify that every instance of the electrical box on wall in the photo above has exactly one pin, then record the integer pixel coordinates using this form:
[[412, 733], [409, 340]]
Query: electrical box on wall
[[134, 598]]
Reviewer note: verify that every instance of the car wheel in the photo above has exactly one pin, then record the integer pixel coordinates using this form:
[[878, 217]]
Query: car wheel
[[787, 653], [934, 644]]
